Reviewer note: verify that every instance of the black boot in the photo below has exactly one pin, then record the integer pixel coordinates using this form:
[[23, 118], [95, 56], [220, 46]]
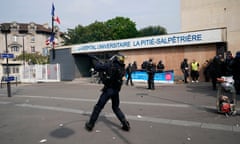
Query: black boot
[[125, 125], [89, 126]]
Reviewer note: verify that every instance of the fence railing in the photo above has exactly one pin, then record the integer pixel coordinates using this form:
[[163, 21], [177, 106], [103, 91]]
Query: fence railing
[[40, 73]]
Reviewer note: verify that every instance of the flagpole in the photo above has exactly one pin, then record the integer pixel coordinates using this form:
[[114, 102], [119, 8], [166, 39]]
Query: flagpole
[[52, 34]]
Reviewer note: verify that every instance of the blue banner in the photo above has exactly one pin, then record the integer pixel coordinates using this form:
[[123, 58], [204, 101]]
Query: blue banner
[[159, 77]]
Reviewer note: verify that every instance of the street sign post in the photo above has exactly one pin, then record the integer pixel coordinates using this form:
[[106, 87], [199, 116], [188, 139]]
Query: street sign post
[[7, 55], [10, 78]]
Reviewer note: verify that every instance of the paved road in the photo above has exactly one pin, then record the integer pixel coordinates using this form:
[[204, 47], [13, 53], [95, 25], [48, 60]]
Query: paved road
[[55, 113]]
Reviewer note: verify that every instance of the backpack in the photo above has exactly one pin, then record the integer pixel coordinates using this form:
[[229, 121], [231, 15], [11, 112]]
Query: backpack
[[113, 75]]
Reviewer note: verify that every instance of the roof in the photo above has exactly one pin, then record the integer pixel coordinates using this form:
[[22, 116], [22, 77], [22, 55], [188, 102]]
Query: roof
[[23, 27]]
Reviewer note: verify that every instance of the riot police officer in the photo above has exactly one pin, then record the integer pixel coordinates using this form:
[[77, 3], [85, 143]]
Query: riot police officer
[[112, 80], [151, 68], [185, 69], [236, 72]]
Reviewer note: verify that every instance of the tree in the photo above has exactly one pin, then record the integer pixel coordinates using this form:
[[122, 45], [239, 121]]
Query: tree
[[152, 30], [113, 29], [121, 28], [97, 31], [34, 58], [74, 36]]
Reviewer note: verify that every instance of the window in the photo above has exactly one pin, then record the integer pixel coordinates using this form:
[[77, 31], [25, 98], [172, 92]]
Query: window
[[12, 70], [14, 27], [32, 28], [32, 39], [14, 49], [45, 51], [33, 49], [15, 69], [5, 70], [14, 38]]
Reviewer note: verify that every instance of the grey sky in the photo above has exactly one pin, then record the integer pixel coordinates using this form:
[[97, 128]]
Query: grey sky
[[165, 13]]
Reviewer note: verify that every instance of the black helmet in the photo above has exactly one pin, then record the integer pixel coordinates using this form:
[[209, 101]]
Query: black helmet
[[238, 54], [117, 58]]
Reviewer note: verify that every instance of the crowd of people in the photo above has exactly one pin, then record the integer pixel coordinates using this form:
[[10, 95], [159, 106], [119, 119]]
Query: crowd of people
[[228, 66], [191, 70], [149, 66], [214, 69], [114, 70]]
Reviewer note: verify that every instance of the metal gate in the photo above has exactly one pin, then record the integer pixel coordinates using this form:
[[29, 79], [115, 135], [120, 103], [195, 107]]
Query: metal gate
[[40, 73]]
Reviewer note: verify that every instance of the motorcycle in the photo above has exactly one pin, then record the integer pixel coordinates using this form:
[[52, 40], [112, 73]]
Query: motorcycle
[[226, 96]]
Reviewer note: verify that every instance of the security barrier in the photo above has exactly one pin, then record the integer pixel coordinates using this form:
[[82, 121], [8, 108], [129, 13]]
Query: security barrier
[[40, 73], [159, 77]]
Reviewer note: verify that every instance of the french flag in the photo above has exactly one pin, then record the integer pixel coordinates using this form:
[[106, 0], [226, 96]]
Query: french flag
[[50, 40], [56, 19]]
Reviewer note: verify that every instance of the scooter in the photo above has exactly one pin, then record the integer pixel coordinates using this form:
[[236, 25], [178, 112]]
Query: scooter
[[226, 96]]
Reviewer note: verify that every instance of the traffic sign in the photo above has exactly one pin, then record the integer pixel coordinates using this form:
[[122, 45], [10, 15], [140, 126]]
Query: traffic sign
[[10, 78], [7, 55]]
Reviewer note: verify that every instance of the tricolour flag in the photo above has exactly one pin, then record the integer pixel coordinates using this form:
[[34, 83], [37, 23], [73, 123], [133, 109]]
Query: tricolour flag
[[57, 19], [51, 40], [53, 10]]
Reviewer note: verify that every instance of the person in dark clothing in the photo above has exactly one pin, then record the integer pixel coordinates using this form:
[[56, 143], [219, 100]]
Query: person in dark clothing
[[215, 70], [206, 71], [114, 72], [160, 66], [144, 65], [134, 66], [151, 68], [236, 72], [129, 71], [185, 69], [228, 64]]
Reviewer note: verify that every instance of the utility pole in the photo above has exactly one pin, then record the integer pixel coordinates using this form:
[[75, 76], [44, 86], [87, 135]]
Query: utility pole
[[6, 29], [23, 51]]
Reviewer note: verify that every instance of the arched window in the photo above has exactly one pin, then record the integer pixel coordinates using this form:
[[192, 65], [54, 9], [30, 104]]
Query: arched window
[[14, 48]]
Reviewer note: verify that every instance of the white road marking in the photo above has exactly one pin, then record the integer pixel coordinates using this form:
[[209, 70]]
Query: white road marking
[[122, 102], [131, 117], [220, 127], [4, 102]]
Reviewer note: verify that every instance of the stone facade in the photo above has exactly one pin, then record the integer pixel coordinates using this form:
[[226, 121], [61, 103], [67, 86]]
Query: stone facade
[[207, 14], [24, 38], [29, 37]]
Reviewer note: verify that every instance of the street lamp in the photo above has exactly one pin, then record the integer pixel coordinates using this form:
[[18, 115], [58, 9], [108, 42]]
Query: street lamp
[[6, 29], [23, 50]]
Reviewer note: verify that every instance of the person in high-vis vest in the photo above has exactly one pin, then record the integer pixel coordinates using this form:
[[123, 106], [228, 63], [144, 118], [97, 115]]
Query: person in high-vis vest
[[194, 71]]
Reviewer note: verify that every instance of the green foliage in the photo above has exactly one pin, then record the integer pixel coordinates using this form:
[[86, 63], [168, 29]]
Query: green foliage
[[33, 58], [121, 28], [75, 36], [152, 30], [97, 31], [113, 29]]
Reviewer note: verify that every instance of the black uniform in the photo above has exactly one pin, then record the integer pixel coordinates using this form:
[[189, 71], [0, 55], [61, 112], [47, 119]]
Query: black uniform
[[236, 72], [185, 69], [112, 80], [151, 68], [216, 70], [160, 66], [129, 71]]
